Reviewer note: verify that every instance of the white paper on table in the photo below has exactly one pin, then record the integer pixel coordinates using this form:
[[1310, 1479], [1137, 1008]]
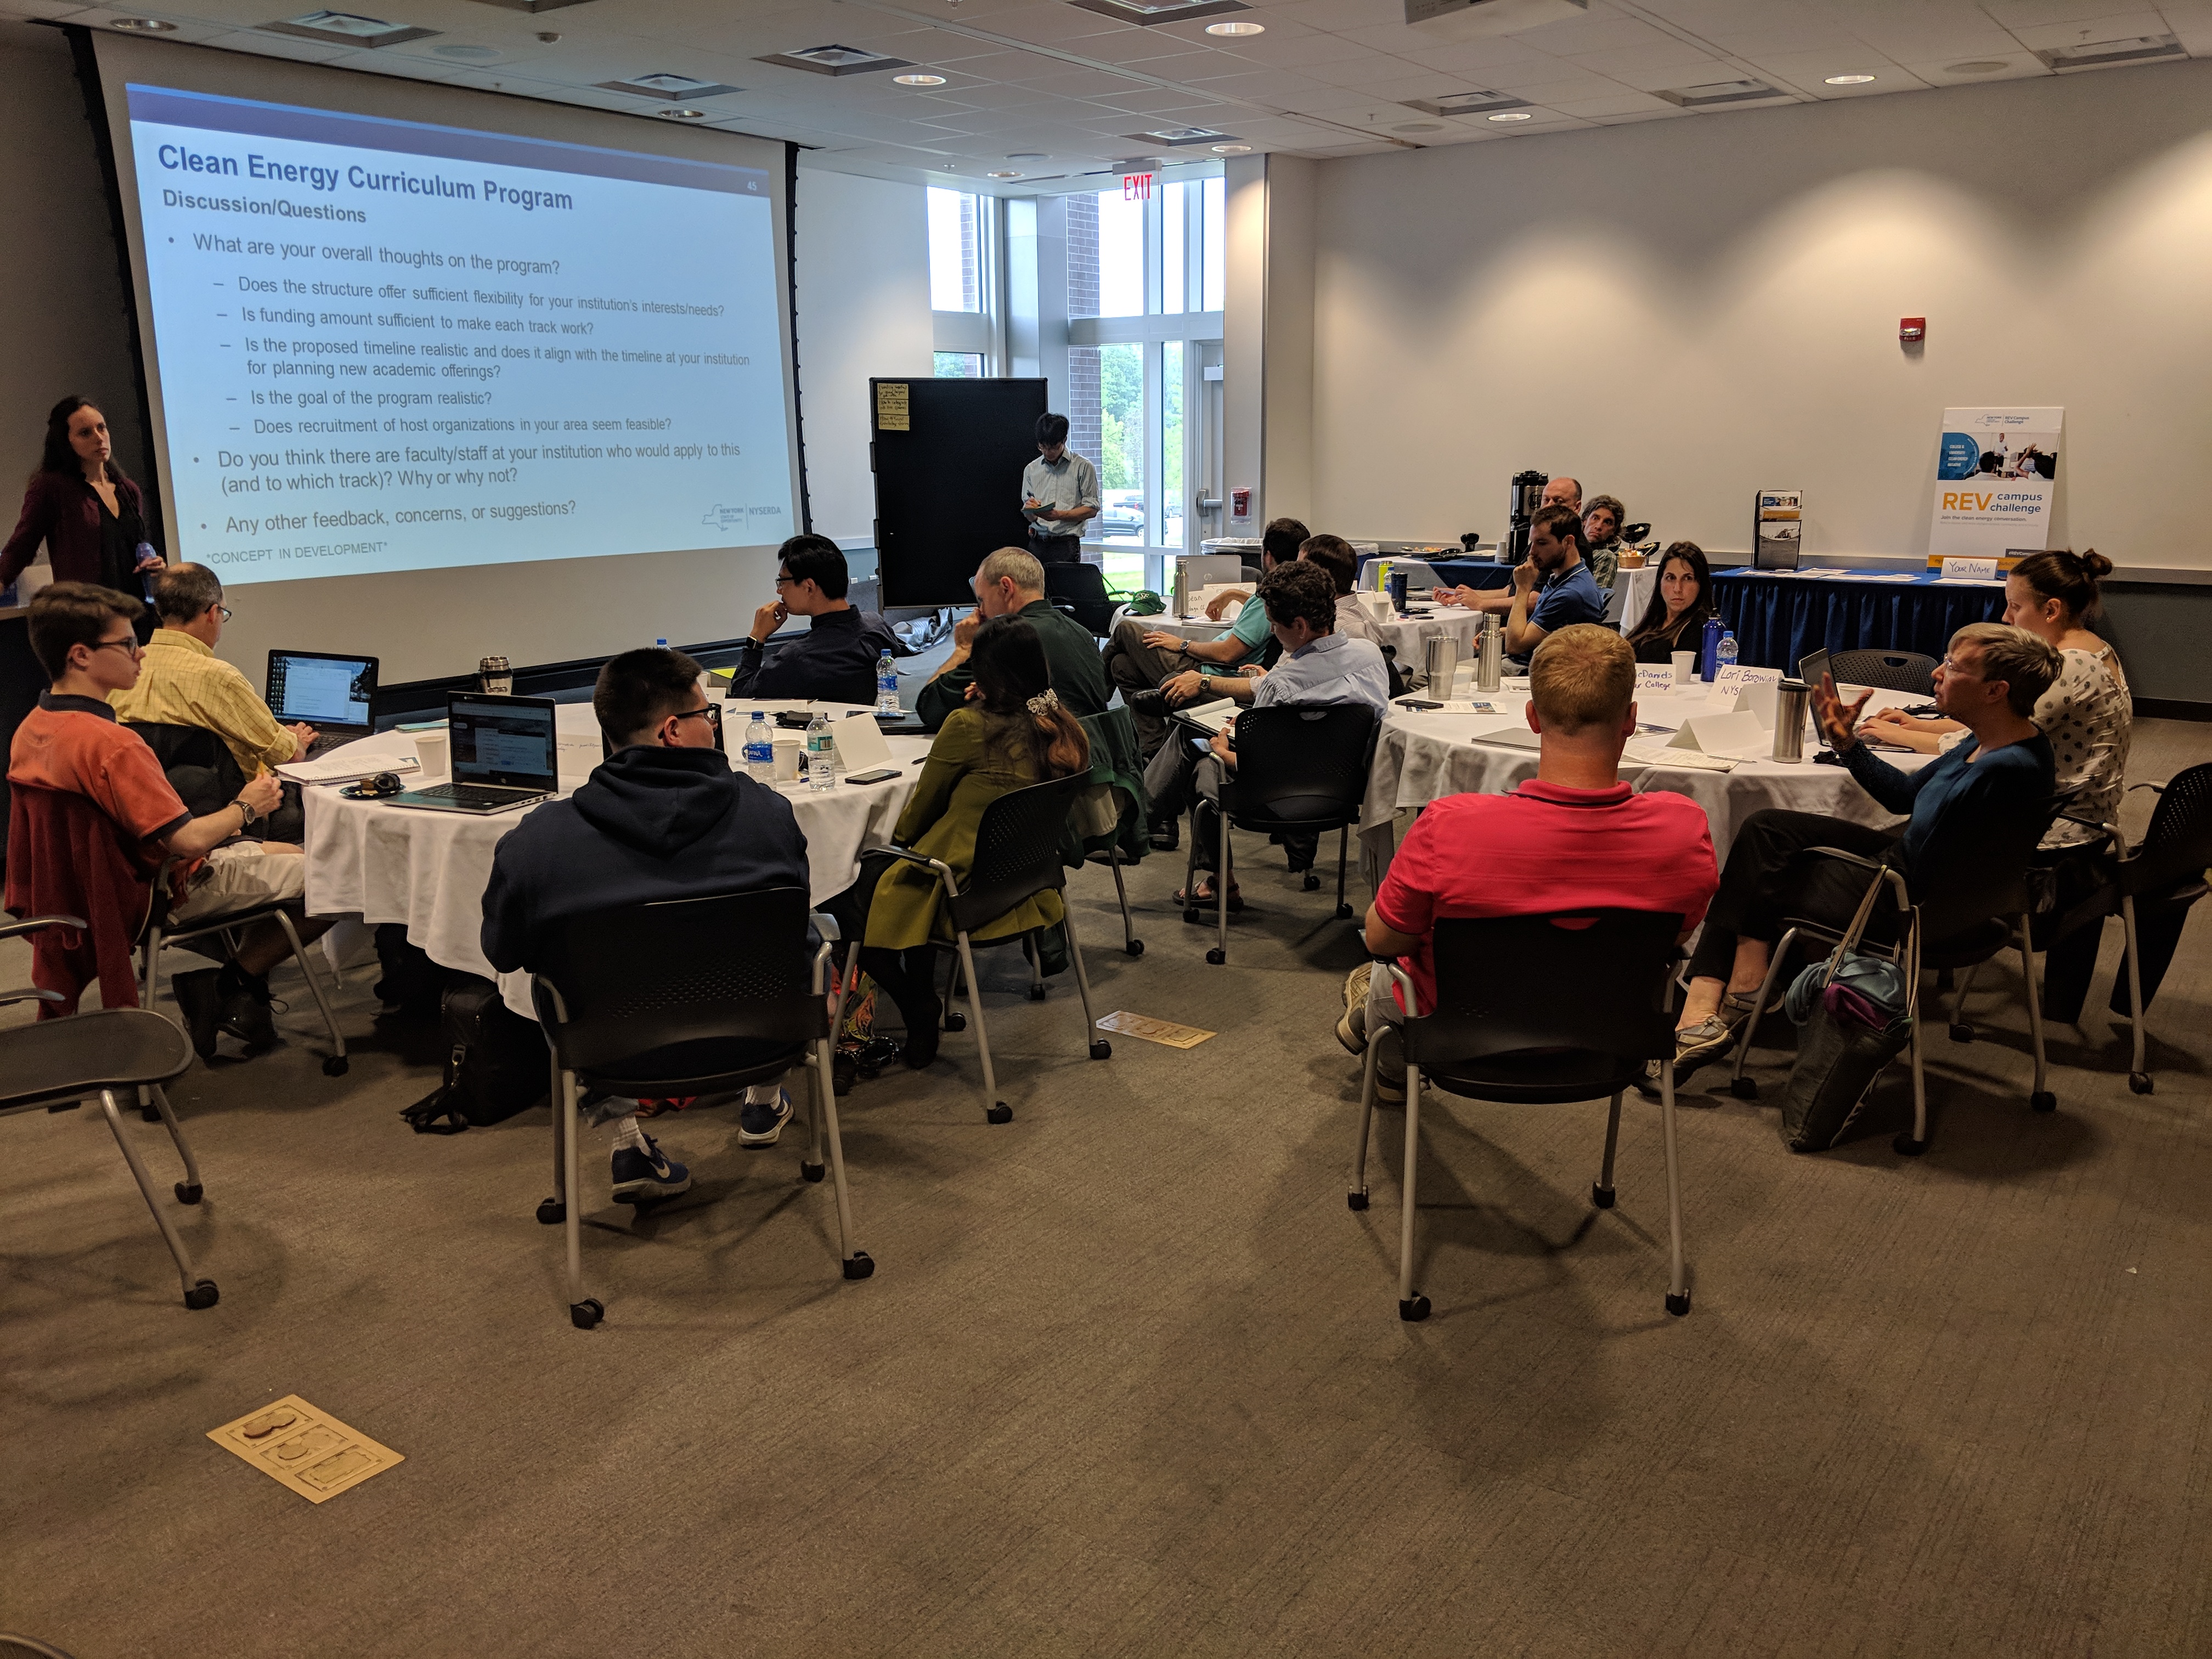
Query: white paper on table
[[1739, 734], [1969, 570], [861, 746], [1732, 679], [337, 766], [1645, 752]]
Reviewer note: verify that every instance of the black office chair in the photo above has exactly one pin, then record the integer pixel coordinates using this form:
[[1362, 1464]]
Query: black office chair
[[1576, 1017], [688, 997], [1080, 590], [1891, 671], [1301, 769], [1017, 858], [2163, 874], [198, 764], [58, 1063], [1966, 902]]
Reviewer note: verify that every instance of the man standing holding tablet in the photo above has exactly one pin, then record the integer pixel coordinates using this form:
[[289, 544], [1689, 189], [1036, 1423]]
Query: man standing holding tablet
[[1059, 492]]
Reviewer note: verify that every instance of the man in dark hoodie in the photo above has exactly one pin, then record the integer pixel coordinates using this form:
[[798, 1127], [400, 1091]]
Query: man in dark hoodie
[[663, 817]]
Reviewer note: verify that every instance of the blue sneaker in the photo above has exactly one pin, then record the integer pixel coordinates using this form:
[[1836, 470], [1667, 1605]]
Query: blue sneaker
[[644, 1177], [759, 1126]]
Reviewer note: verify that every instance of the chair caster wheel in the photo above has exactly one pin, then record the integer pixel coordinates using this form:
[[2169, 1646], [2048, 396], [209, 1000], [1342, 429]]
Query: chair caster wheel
[[149, 1114], [551, 1212], [2043, 1100], [860, 1264], [1102, 1049], [1037, 994], [1744, 1088], [1414, 1311], [1344, 913], [1193, 916], [811, 1171], [2139, 1082], [1000, 1112], [1355, 1200], [188, 1192], [955, 1021], [1906, 1146], [1601, 1196], [1217, 956], [1135, 947], [1678, 1305], [202, 1295], [586, 1314], [334, 1066], [1312, 883], [1962, 1032]]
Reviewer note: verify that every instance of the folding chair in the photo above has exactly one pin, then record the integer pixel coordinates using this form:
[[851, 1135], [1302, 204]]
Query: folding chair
[[1575, 1018], [1017, 857], [58, 1063], [688, 997], [1301, 769]]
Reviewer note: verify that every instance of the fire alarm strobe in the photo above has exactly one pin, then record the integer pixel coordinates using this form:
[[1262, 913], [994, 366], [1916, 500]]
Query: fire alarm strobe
[[1912, 330]]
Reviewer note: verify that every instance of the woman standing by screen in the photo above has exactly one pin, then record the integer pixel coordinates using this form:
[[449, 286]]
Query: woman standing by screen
[[79, 503]]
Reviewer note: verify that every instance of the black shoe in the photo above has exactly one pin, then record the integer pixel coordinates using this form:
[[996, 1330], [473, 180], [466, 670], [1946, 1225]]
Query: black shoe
[[196, 1000], [245, 1017], [921, 1046], [1153, 703], [1165, 835]]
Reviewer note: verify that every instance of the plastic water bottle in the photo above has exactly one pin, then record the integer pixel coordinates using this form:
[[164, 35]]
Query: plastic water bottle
[[760, 750], [660, 645], [887, 695], [1708, 649], [1724, 654], [821, 753]]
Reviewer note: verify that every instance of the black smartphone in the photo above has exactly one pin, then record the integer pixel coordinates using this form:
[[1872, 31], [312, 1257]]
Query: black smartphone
[[1417, 703], [882, 773]]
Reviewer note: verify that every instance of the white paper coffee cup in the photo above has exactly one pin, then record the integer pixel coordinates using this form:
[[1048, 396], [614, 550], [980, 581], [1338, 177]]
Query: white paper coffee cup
[[432, 750], [1686, 664]]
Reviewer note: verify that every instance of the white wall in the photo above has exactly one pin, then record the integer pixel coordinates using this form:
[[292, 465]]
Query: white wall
[[863, 310], [1681, 312]]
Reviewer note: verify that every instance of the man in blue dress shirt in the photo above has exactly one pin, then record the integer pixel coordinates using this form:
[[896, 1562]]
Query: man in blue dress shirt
[[1059, 492]]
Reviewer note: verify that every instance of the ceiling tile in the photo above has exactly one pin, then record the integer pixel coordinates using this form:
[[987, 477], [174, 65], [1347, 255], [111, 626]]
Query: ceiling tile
[[1298, 52], [2047, 37], [1262, 86], [1334, 15], [1618, 103], [1623, 61], [2017, 65]]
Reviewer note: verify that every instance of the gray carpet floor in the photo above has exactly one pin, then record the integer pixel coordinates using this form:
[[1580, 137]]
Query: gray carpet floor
[[1129, 1379]]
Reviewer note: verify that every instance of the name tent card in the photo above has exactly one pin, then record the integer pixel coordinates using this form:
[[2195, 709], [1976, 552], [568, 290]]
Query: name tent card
[[1728, 682], [1736, 734], [1968, 570], [1654, 679]]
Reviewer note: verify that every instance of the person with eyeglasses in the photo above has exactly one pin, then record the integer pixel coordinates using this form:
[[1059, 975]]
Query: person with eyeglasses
[[835, 659], [182, 682], [663, 817], [72, 744]]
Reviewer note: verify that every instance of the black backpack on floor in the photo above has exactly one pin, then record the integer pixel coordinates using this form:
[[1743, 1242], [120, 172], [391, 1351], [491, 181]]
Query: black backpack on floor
[[496, 1062]]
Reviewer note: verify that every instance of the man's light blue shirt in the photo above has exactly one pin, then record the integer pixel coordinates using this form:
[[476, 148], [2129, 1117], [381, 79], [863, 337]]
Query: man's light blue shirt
[[1331, 669], [1062, 485]]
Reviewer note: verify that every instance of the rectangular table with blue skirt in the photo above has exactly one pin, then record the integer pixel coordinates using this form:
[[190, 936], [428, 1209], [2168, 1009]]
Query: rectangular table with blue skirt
[[1779, 617], [1450, 573]]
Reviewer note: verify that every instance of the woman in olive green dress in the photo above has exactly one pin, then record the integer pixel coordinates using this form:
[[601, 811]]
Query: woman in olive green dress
[[1011, 734]]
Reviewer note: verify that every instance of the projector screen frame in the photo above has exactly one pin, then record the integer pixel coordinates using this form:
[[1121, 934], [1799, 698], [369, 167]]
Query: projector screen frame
[[712, 574]]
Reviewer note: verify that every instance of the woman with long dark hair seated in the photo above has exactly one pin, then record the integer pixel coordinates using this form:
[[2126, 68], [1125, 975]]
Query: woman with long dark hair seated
[[1013, 733], [81, 505], [1681, 601]]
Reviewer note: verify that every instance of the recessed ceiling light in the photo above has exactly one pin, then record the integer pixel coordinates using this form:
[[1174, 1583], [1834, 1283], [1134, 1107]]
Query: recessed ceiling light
[[919, 79], [1513, 115], [350, 26], [1976, 66], [144, 24], [1236, 26], [1848, 80], [1004, 175], [675, 89], [835, 60], [681, 114], [1232, 149]]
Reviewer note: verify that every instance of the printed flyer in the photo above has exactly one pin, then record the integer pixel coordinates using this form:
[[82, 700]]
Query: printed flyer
[[1996, 476]]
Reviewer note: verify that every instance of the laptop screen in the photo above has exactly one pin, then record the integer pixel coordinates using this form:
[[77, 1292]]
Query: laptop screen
[[320, 689], [507, 741]]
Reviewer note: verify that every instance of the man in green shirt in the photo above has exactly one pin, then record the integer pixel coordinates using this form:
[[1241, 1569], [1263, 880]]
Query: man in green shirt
[[1010, 583]]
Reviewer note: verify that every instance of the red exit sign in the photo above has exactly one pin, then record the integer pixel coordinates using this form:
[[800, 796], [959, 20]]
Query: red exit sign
[[1136, 187]]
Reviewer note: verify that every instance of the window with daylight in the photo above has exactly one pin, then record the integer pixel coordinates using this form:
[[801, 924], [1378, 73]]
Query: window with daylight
[[959, 364], [955, 264]]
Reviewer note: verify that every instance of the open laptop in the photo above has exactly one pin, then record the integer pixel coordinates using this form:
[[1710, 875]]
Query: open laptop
[[331, 691], [506, 754]]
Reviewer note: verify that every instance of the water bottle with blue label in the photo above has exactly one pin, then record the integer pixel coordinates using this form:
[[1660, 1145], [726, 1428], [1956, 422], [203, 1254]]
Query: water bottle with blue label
[[760, 750], [887, 691], [821, 753]]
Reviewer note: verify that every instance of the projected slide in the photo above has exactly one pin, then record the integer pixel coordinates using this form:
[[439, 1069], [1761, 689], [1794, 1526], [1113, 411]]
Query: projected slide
[[379, 345]]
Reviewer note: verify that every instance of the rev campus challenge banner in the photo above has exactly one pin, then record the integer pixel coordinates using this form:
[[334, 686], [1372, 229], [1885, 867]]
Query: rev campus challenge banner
[[1996, 476]]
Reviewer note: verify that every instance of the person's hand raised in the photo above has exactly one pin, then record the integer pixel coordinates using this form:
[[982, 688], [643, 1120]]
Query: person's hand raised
[[963, 631], [1839, 720], [1524, 576], [769, 618]]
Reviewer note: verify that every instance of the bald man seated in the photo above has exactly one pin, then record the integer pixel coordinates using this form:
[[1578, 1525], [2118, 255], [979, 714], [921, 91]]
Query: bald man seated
[[1562, 491]]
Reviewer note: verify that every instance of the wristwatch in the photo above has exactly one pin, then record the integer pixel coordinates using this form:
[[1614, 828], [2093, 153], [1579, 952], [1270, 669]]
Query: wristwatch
[[246, 812]]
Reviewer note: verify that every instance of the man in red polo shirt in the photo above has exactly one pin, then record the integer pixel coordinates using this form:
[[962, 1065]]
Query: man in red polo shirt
[[1573, 836]]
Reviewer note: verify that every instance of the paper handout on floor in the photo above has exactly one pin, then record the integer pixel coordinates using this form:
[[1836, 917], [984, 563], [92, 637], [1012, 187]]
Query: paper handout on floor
[[1154, 1030], [306, 1449]]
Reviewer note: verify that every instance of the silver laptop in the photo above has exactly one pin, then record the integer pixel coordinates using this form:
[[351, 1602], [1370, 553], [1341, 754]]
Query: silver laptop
[[1512, 737], [506, 754]]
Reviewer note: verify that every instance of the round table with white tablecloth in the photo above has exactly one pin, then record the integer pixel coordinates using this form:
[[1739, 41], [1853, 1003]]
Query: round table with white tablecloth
[[428, 870], [1422, 756], [1405, 635], [1634, 586]]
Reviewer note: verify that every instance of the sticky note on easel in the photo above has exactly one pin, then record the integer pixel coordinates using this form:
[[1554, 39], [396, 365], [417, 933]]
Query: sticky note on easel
[[308, 1450], [1149, 1030]]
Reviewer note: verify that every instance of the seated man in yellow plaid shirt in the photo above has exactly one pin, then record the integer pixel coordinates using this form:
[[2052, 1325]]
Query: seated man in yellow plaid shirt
[[181, 682]]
